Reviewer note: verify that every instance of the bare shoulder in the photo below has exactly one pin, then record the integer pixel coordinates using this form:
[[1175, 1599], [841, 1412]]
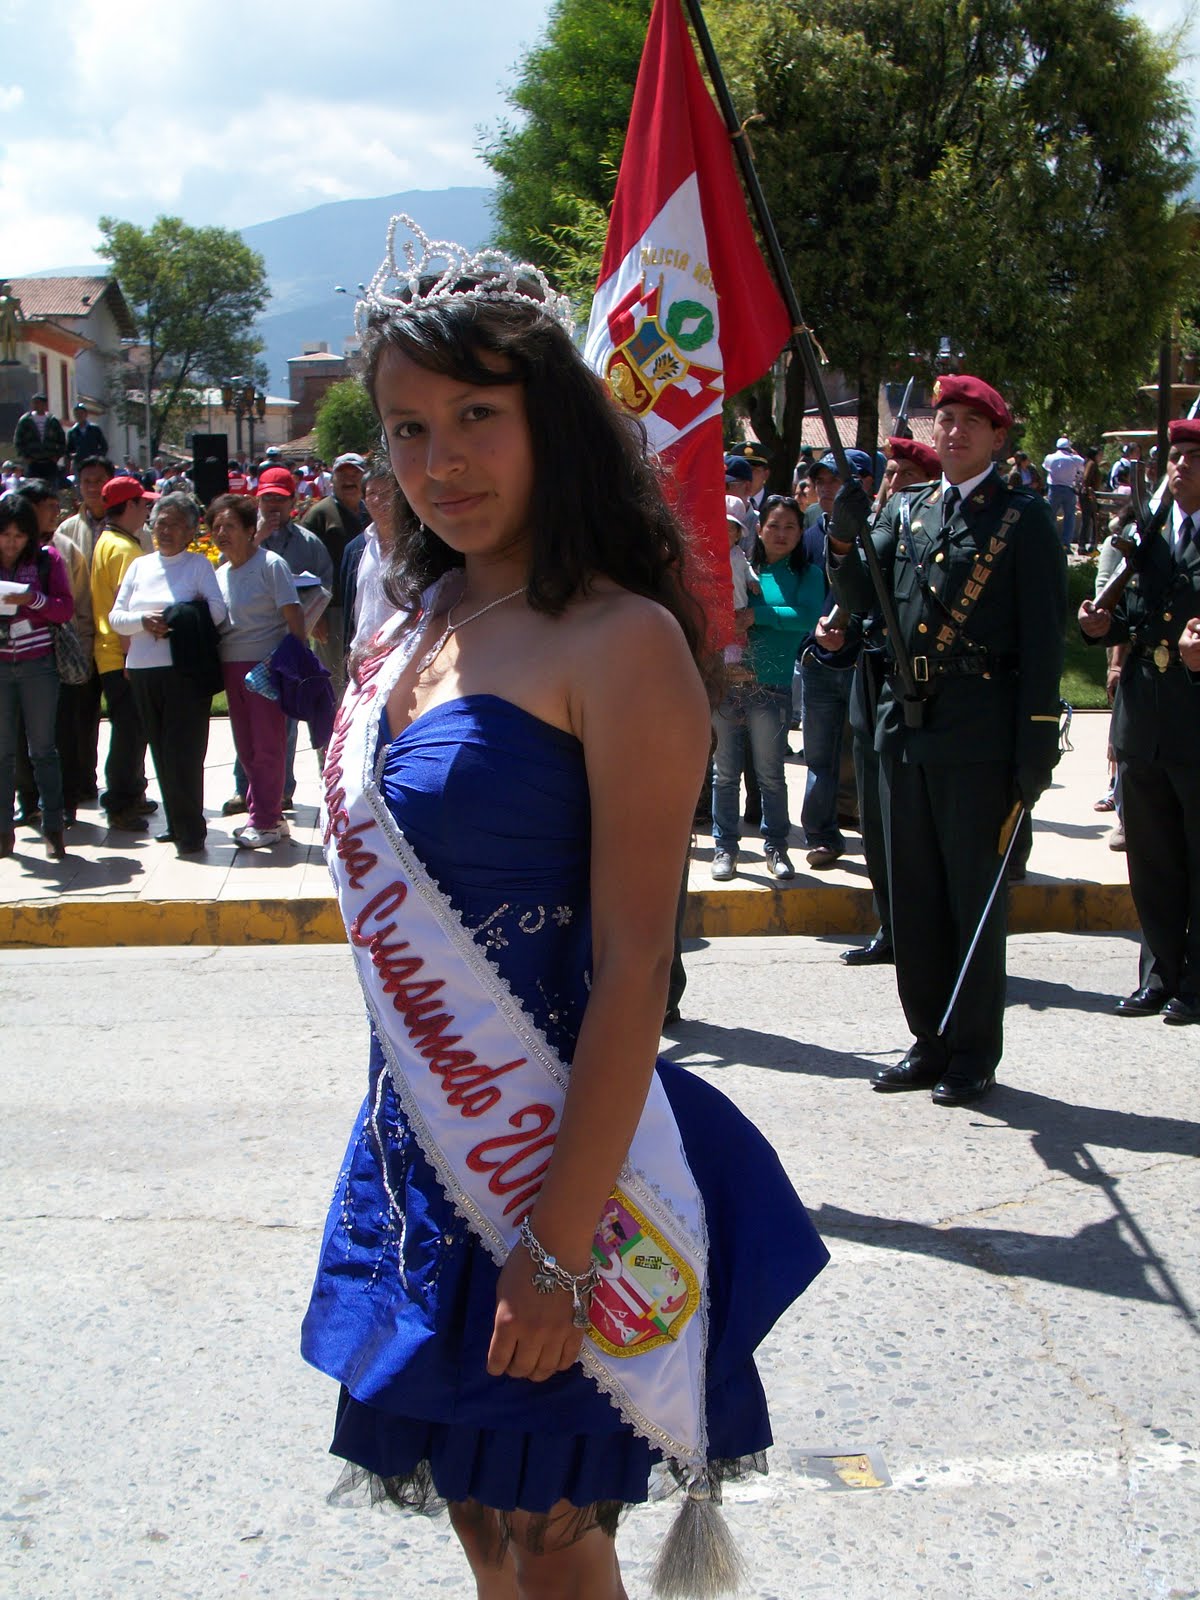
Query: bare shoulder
[[610, 616], [627, 632], [631, 652]]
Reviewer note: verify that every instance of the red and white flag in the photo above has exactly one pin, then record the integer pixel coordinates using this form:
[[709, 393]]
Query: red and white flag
[[685, 310]]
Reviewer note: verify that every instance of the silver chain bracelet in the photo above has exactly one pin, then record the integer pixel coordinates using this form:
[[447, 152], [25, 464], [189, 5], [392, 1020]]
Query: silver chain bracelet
[[549, 1276]]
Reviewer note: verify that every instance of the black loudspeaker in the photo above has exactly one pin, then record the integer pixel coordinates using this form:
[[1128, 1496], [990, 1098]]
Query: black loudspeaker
[[210, 466]]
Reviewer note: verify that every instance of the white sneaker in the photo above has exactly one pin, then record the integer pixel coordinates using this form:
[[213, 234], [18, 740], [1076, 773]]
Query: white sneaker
[[252, 838]]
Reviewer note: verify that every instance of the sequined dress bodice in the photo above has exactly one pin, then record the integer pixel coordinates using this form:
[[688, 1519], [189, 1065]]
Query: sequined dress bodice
[[495, 803]]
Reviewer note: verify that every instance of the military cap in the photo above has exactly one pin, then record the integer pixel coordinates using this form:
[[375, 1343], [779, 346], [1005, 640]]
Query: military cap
[[1185, 430], [753, 453], [925, 456], [959, 388]]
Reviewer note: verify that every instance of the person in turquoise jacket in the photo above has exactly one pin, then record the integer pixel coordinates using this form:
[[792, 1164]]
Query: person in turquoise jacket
[[759, 694]]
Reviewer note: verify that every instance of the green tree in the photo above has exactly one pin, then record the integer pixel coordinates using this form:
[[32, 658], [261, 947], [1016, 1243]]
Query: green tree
[[560, 158], [346, 420], [1004, 173], [195, 293]]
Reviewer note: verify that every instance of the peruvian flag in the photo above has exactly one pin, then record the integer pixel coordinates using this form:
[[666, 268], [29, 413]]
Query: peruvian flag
[[685, 310]]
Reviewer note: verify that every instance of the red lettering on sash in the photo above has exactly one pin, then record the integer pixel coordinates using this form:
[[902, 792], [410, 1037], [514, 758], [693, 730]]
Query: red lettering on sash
[[503, 1170], [381, 904]]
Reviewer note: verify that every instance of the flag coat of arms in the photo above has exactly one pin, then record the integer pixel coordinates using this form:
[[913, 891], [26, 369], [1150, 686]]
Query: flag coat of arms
[[685, 310]]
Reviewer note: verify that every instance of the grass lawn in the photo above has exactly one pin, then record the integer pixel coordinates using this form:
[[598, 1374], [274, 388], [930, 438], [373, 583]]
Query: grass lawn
[[1084, 667]]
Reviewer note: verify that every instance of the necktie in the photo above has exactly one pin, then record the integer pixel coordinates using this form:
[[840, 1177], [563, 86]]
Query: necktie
[[1187, 536], [949, 506]]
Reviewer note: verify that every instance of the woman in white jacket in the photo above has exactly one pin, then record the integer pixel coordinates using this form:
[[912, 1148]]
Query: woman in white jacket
[[173, 707]]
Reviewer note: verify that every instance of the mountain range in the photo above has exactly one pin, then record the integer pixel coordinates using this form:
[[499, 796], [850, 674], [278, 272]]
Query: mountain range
[[316, 261]]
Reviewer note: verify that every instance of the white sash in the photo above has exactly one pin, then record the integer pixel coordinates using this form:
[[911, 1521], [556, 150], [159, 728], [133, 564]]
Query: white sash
[[483, 1093]]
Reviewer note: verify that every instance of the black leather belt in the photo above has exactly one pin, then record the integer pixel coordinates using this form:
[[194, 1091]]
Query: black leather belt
[[978, 664]]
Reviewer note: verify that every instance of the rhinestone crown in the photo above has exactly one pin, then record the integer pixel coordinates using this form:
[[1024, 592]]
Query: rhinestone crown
[[497, 276]]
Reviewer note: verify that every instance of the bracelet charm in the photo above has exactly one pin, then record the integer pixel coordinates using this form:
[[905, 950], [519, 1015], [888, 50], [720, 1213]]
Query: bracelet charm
[[549, 1276]]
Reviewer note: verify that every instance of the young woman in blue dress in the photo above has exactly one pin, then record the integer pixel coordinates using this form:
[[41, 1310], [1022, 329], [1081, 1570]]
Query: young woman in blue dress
[[558, 635]]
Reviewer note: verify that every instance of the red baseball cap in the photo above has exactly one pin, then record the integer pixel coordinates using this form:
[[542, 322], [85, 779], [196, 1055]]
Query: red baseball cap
[[958, 388], [276, 480], [925, 456], [1185, 430], [120, 490]]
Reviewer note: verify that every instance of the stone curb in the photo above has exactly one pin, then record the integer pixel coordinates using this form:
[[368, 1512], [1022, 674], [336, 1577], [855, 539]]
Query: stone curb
[[711, 913]]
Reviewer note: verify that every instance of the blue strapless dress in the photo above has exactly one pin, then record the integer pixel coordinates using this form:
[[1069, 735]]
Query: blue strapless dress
[[495, 803]]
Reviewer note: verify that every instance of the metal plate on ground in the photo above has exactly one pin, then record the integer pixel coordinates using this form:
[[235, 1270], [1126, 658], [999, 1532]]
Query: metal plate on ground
[[842, 1469]]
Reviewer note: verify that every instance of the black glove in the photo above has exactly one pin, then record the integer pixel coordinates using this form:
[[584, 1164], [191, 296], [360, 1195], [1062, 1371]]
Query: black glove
[[1031, 784], [851, 511]]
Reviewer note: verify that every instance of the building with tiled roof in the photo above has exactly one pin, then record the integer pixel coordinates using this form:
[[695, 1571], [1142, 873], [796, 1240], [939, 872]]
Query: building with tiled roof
[[72, 330]]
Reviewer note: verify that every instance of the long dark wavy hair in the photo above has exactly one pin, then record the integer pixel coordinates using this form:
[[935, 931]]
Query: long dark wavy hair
[[598, 509]]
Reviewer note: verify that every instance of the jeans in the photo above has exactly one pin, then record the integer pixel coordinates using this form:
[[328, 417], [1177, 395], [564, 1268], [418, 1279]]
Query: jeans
[[1062, 500], [826, 704], [764, 712], [31, 688]]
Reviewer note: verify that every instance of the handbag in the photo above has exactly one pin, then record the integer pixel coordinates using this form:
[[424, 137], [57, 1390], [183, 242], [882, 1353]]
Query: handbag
[[71, 659]]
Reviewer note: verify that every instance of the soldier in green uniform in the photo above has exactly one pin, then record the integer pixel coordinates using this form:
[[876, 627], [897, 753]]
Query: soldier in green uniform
[[978, 581], [1156, 738]]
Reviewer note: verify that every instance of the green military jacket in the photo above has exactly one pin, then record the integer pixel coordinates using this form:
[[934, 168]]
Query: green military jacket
[[1156, 715], [993, 586]]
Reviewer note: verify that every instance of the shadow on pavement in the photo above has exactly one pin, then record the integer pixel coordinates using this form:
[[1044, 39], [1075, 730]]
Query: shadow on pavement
[[1114, 1257], [1101, 1257], [716, 1046], [1041, 994]]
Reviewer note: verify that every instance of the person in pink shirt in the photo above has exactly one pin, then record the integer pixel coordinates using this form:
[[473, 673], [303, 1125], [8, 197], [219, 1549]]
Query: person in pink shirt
[[35, 594]]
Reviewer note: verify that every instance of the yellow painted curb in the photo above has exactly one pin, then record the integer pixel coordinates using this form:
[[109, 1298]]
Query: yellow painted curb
[[710, 914], [91, 924]]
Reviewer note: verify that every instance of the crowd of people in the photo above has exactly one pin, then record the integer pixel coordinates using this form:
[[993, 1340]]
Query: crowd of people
[[121, 591], [523, 1171]]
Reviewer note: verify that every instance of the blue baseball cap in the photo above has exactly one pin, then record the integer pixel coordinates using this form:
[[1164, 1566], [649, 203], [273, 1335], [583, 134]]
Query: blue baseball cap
[[860, 463]]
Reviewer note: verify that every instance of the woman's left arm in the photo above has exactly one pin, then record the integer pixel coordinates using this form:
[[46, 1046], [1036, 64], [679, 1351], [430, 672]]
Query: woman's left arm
[[643, 718], [56, 603]]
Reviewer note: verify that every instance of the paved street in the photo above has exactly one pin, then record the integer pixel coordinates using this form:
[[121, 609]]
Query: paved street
[[1009, 1321]]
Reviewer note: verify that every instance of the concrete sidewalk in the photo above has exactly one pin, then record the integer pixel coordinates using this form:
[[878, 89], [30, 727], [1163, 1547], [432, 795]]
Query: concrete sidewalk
[[125, 889]]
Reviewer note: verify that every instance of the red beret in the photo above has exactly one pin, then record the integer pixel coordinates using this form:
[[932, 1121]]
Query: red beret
[[276, 480], [925, 456], [1186, 430], [120, 490], [960, 389]]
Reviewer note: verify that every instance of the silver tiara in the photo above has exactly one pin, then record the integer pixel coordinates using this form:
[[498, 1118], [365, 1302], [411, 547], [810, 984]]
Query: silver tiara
[[396, 288]]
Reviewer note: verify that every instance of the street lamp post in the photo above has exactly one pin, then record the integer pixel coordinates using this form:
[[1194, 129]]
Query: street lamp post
[[240, 396]]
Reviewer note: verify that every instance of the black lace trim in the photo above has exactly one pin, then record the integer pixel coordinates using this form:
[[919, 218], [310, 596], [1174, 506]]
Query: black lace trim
[[416, 1491]]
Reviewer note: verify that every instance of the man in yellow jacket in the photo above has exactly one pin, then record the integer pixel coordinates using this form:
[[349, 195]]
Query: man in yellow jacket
[[124, 798]]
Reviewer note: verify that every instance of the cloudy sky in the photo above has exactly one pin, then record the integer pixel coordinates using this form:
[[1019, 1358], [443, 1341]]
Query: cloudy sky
[[236, 111]]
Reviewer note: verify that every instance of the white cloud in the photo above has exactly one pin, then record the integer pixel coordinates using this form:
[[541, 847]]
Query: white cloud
[[236, 111], [11, 96]]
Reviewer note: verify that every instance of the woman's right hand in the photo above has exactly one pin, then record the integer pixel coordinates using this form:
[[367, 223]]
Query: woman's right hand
[[21, 598], [533, 1335]]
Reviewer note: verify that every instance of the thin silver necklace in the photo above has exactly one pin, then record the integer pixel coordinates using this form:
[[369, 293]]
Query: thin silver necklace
[[451, 626]]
